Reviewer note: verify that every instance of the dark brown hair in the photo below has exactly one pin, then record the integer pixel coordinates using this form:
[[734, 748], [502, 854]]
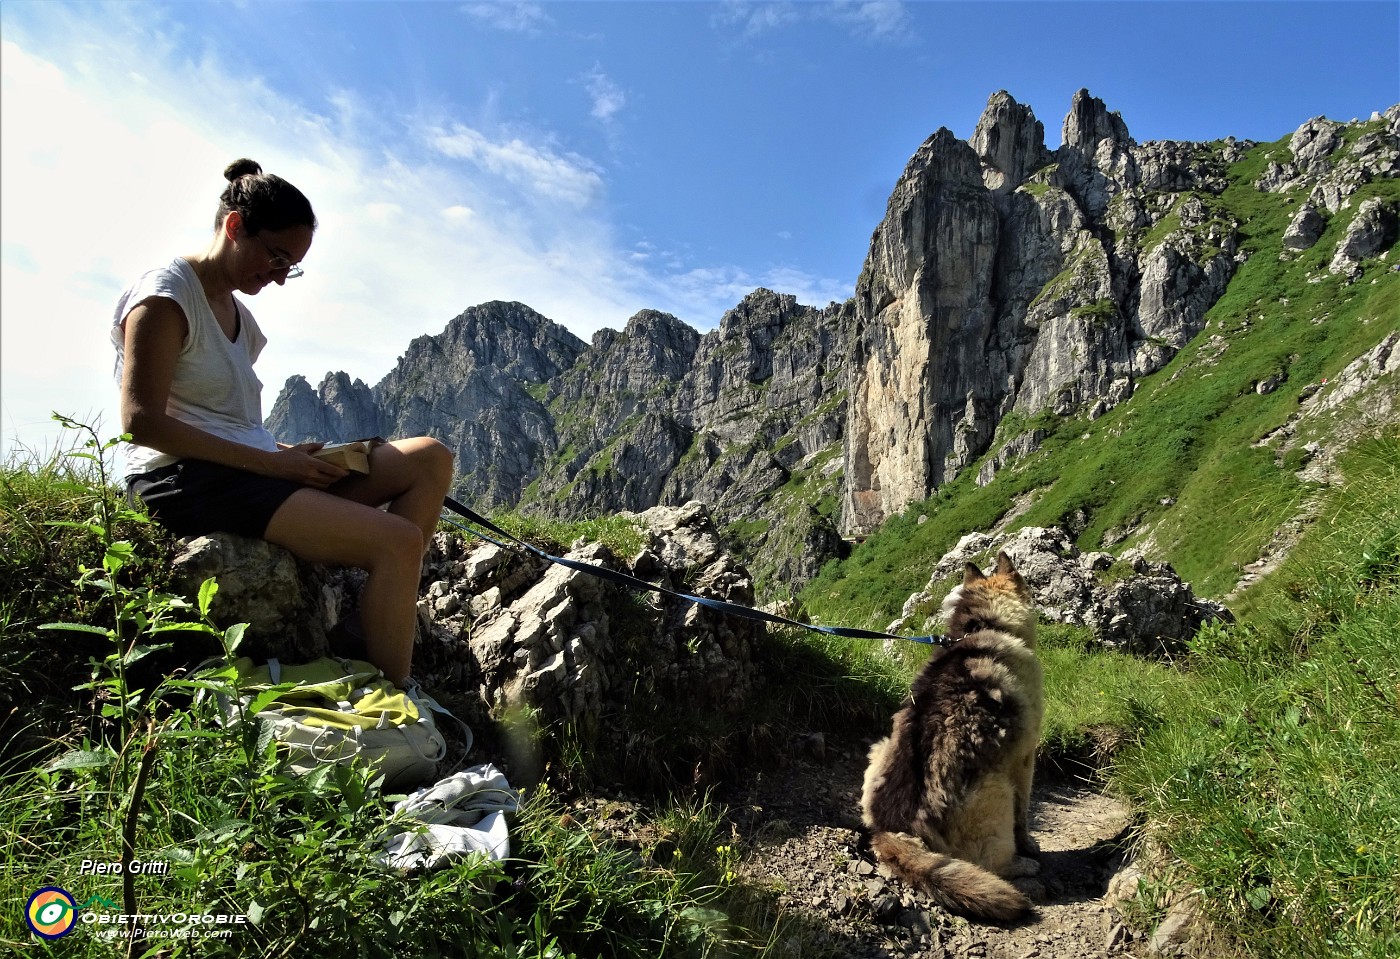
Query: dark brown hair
[[265, 201]]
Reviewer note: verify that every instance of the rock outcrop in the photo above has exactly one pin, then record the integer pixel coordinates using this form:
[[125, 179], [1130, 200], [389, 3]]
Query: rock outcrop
[[511, 637], [1332, 167], [1305, 228], [1139, 607], [290, 606], [569, 647], [1370, 231]]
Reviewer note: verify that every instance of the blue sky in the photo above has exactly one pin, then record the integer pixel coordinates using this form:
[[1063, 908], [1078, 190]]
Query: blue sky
[[589, 159]]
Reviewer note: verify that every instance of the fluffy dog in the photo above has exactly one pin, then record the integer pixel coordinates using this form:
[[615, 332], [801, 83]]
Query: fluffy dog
[[947, 793]]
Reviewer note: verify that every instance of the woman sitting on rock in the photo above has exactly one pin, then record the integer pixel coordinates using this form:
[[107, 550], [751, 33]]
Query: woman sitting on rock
[[203, 462]]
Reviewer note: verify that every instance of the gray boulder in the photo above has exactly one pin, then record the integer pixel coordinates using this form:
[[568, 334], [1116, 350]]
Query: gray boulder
[[1304, 229], [290, 606], [1371, 231], [1148, 610], [571, 647]]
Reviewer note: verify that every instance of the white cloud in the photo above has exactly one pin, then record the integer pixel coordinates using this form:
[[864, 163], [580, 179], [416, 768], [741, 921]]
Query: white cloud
[[536, 169], [383, 212], [877, 20], [112, 145], [755, 19], [517, 17], [882, 21], [718, 289], [608, 98]]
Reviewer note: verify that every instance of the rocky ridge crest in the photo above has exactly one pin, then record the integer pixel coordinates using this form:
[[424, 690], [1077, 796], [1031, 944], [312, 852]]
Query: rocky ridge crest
[[1004, 278]]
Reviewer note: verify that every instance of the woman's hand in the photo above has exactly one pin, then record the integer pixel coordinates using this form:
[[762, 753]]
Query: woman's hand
[[296, 463]]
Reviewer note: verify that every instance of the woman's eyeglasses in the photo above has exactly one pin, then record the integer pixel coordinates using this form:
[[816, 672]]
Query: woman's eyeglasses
[[279, 262]]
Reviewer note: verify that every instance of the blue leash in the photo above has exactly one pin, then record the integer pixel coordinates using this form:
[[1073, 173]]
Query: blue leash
[[632, 582]]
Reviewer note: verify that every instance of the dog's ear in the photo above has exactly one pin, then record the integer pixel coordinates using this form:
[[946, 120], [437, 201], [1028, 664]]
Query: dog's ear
[[971, 574], [1004, 564]]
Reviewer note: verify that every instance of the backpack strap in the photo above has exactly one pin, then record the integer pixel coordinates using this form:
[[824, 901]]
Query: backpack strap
[[421, 699]]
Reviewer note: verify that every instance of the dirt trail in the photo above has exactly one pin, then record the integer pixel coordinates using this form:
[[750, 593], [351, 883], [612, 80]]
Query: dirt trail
[[800, 830]]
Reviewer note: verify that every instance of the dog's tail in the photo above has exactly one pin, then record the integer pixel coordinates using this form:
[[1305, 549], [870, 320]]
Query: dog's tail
[[955, 884]]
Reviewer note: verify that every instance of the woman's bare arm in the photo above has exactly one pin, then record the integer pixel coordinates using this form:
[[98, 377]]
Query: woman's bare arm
[[154, 332]]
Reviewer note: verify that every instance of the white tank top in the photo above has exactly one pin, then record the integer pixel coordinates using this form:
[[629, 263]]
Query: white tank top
[[214, 387]]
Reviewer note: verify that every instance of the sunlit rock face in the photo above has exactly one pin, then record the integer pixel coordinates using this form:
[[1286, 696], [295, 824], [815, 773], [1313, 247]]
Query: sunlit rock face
[[1007, 277]]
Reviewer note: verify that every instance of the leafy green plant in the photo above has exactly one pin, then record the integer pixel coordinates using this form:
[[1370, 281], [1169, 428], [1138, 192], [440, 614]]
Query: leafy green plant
[[165, 778], [139, 617]]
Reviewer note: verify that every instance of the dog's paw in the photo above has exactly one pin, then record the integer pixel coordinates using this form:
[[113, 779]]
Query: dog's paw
[[1021, 866], [1032, 888]]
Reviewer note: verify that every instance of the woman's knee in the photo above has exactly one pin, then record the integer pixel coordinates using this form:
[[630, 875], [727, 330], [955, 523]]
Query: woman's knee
[[399, 541], [435, 460], [423, 457], [326, 529]]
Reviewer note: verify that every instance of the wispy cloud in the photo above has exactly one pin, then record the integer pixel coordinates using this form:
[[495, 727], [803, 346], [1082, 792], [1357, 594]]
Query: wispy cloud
[[719, 288], [512, 17], [876, 21], [886, 21], [752, 20], [608, 98], [536, 169]]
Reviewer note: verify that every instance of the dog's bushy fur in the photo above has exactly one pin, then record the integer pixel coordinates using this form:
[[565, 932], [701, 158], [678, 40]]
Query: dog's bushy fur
[[947, 793]]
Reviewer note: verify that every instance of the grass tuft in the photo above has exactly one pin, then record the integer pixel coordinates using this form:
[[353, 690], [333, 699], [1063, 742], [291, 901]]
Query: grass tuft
[[1271, 776]]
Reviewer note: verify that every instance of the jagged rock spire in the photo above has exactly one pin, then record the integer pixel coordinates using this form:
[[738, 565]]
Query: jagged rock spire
[[1010, 141], [1096, 158], [1089, 122]]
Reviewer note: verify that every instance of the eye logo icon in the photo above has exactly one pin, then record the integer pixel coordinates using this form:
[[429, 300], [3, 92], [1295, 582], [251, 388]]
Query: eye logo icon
[[51, 912]]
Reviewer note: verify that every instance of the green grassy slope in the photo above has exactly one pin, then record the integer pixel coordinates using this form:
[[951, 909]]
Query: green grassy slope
[[1186, 437], [1270, 777], [1263, 765]]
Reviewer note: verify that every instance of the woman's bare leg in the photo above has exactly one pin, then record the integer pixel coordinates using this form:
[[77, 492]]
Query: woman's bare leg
[[327, 529], [412, 476], [345, 526]]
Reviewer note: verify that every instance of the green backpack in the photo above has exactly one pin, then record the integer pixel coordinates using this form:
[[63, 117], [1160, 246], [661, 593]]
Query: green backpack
[[341, 711]]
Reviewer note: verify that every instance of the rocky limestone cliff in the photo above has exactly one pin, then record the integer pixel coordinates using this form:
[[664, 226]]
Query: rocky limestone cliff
[[480, 386], [1008, 277], [1004, 278]]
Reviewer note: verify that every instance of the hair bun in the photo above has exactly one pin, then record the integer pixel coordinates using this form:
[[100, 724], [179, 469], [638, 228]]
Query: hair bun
[[243, 167]]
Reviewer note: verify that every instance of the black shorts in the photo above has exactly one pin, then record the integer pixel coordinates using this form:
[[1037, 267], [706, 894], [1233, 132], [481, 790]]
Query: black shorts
[[195, 497]]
